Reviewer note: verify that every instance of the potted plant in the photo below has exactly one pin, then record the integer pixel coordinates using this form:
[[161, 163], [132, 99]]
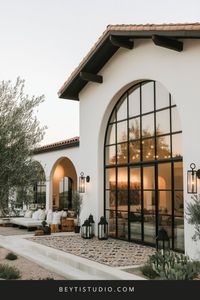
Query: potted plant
[[76, 205], [46, 229]]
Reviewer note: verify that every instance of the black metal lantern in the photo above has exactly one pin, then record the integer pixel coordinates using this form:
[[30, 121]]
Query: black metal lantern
[[91, 220], [82, 180], [103, 229], [192, 176], [162, 241], [86, 230]]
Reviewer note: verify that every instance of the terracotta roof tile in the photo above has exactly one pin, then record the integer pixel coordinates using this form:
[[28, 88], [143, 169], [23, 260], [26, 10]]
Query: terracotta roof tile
[[57, 145]]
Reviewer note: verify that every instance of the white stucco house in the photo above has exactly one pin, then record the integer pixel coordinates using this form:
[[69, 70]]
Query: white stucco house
[[139, 94]]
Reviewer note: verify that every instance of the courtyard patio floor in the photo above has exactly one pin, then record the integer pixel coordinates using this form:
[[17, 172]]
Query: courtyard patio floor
[[111, 252]]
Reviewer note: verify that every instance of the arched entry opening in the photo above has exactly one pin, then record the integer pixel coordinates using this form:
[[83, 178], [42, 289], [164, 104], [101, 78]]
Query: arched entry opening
[[39, 187], [34, 193], [143, 166], [64, 182]]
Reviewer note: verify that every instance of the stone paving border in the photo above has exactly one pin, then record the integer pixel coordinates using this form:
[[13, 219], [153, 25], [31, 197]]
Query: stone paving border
[[111, 252]]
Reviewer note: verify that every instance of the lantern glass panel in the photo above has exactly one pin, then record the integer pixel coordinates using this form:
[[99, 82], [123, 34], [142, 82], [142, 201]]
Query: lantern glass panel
[[81, 184], [191, 182]]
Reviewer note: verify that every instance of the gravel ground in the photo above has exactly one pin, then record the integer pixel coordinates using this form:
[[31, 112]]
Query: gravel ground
[[28, 269]]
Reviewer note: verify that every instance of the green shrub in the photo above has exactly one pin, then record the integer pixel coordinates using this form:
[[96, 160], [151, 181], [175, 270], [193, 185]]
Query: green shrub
[[7, 272], [148, 271], [11, 256], [174, 266]]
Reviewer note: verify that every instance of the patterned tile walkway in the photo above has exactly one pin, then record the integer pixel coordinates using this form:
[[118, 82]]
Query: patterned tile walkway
[[114, 253]]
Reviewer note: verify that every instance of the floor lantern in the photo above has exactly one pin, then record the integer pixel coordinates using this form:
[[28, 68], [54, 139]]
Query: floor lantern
[[91, 220], [103, 229], [86, 230], [162, 241]]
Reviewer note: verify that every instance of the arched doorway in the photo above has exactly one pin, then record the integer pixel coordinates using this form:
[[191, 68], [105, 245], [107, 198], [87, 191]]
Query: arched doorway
[[64, 181], [143, 166], [39, 187]]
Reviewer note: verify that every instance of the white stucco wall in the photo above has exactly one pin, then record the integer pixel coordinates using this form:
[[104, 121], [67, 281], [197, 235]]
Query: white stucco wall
[[178, 72]]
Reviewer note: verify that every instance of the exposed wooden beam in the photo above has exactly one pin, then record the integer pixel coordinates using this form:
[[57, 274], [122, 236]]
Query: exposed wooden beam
[[121, 42], [91, 77], [167, 42]]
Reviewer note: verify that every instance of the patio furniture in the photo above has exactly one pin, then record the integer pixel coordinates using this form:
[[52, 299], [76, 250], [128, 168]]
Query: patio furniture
[[67, 224]]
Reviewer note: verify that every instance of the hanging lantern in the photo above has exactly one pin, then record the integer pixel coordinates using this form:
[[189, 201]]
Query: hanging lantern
[[91, 220], [86, 230], [103, 229], [162, 241], [82, 181]]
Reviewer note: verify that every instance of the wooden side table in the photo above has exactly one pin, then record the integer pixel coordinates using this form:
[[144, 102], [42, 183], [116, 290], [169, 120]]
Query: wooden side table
[[67, 224], [54, 228]]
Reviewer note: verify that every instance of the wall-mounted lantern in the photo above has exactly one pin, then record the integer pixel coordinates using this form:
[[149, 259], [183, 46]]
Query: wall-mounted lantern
[[162, 241], [192, 176], [103, 229], [82, 180], [86, 230]]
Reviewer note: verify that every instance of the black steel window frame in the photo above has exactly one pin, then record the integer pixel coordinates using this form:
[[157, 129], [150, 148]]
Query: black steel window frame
[[39, 195], [172, 160]]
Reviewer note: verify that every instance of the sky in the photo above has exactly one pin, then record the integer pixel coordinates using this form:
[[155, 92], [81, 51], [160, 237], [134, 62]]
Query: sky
[[43, 41]]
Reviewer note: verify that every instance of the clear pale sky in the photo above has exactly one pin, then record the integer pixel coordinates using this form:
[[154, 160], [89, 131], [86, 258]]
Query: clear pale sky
[[42, 41]]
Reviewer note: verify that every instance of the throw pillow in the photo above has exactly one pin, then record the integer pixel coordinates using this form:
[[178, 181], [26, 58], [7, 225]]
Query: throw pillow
[[35, 215]]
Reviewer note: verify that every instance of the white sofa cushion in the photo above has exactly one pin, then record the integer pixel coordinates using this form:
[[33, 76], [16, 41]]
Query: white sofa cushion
[[49, 217], [56, 217], [41, 215], [35, 215], [28, 214]]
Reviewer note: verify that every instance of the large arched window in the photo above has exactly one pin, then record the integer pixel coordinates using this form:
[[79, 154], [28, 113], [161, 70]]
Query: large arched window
[[143, 167]]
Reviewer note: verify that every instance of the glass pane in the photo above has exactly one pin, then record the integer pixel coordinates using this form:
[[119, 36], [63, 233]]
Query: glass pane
[[148, 125], [110, 178], [122, 200], [122, 224], [178, 203], [165, 202], [135, 180], [148, 149], [135, 226], [113, 117], [179, 233], [134, 129], [148, 178], [122, 153], [111, 219], [147, 97], [134, 151], [122, 177], [149, 228], [149, 202], [176, 122], [110, 155], [162, 96], [121, 131], [177, 145], [164, 176], [135, 200], [178, 176], [122, 109], [110, 139], [110, 200], [134, 102], [163, 147], [162, 122]]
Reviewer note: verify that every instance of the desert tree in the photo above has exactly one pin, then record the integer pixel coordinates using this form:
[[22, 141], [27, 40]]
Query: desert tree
[[20, 134]]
